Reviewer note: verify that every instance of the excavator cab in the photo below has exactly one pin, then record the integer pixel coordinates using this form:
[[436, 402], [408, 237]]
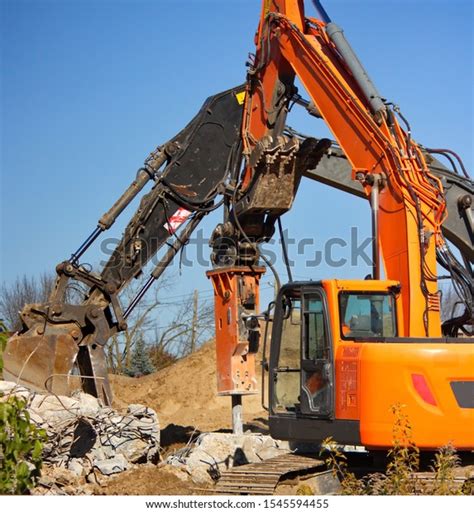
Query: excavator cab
[[337, 366], [302, 360]]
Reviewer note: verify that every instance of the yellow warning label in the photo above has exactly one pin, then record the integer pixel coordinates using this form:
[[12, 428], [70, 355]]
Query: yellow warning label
[[266, 7], [240, 97]]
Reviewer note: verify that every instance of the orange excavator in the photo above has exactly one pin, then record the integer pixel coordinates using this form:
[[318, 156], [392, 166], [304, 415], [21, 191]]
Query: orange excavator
[[341, 352]]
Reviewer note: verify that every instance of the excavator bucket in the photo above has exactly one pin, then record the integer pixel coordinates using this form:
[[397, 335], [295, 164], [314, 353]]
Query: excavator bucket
[[42, 362]]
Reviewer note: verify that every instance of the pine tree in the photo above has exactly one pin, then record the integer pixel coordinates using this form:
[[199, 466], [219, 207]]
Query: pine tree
[[141, 363]]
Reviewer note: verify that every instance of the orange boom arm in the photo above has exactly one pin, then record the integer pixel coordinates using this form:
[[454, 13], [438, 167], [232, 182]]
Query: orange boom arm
[[383, 156]]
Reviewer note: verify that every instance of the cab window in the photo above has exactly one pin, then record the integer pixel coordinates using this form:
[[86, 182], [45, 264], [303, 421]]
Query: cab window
[[316, 346], [287, 377], [367, 315]]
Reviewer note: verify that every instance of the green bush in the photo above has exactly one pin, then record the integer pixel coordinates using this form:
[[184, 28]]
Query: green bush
[[404, 458], [21, 443]]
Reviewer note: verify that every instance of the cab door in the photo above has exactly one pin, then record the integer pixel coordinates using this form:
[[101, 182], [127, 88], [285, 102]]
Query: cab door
[[317, 369], [285, 355]]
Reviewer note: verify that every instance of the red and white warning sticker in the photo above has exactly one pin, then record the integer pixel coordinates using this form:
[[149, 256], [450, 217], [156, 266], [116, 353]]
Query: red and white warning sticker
[[178, 217]]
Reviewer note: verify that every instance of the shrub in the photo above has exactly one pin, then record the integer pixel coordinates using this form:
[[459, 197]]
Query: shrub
[[444, 465], [21, 442], [337, 461], [404, 458]]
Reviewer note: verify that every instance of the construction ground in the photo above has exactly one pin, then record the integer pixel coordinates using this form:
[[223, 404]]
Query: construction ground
[[168, 433], [184, 397]]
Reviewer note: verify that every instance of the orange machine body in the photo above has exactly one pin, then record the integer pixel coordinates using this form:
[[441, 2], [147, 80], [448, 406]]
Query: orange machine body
[[371, 377], [329, 379]]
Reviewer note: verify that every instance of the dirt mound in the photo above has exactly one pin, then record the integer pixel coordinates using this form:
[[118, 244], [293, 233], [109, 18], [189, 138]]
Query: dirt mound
[[184, 395], [157, 481]]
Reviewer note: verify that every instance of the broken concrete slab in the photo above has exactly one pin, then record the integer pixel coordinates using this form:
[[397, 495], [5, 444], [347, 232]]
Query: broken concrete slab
[[54, 409], [88, 405], [8, 389], [213, 453], [111, 466]]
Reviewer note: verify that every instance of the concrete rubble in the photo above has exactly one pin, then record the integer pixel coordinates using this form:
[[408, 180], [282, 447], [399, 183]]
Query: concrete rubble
[[85, 440], [87, 443], [213, 453]]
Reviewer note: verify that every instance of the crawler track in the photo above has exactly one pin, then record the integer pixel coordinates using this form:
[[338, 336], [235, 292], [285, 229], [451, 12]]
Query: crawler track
[[263, 477], [425, 482]]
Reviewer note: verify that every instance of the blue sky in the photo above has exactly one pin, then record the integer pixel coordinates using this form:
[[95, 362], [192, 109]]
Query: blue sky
[[89, 88]]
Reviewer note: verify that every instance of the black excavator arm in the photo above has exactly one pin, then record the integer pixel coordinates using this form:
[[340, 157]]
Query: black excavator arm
[[61, 345]]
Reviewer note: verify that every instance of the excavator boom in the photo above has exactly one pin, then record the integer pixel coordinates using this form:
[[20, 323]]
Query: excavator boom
[[384, 158]]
